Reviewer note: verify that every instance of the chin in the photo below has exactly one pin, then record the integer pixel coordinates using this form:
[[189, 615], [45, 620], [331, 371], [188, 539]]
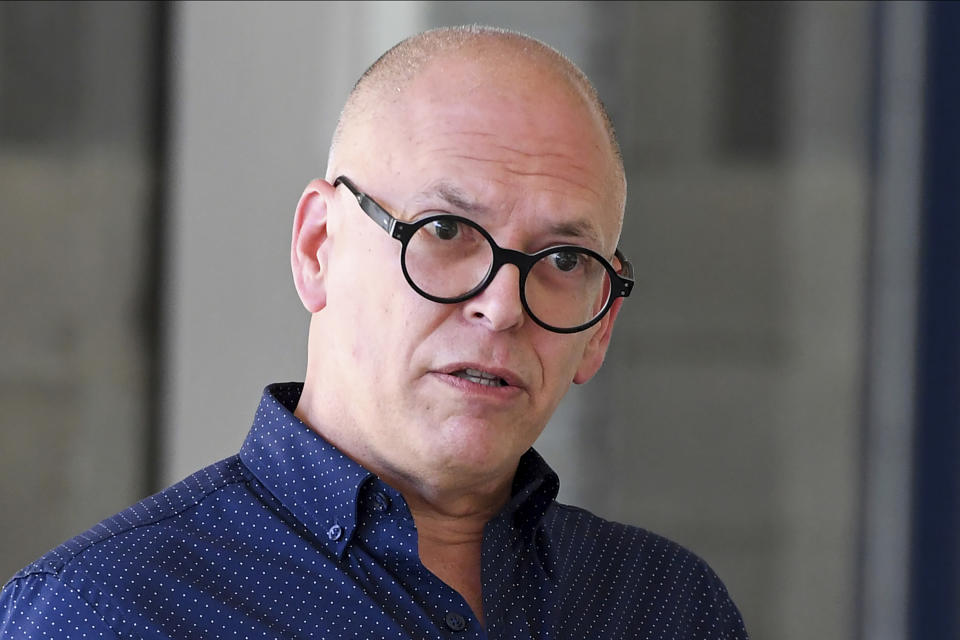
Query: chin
[[476, 448]]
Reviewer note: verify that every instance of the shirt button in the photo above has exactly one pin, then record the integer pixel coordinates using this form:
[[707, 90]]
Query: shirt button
[[455, 621], [381, 502], [335, 532]]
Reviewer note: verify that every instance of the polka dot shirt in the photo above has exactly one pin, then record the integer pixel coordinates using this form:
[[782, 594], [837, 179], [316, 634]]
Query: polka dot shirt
[[292, 539]]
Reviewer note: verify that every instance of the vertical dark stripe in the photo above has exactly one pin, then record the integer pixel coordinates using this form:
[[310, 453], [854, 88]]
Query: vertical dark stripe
[[935, 583], [155, 286]]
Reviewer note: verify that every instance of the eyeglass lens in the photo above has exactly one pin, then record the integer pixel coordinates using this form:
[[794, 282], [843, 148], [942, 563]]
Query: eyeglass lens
[[566, 288]]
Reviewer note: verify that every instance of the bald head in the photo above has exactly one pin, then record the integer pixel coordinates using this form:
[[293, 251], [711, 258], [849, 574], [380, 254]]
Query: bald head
[[384, 83]]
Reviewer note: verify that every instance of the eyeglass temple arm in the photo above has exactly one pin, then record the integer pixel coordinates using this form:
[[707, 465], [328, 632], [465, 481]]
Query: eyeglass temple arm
[[626, 269], [625, 276], [378, 215]]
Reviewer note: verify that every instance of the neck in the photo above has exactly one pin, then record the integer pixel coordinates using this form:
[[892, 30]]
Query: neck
[[449, 511], [444, 494], [450, 541]]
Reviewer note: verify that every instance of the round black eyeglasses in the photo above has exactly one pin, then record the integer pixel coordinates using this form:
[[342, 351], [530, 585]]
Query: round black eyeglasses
[[448, 259]]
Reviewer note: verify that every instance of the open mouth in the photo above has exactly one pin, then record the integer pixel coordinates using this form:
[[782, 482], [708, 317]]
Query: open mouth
[[481, 377]]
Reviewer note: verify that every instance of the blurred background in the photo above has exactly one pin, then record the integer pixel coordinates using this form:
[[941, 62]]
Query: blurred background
[[782, 394]]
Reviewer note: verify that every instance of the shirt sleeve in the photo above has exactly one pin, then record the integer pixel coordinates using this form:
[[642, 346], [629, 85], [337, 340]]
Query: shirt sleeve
[[727, 622], [734, 628], [39, 606]]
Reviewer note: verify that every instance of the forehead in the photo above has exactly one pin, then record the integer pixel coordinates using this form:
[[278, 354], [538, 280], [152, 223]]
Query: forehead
[[514, 140]]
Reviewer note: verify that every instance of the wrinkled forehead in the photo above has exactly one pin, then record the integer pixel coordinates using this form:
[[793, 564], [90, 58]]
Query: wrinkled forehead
[[506, 135]]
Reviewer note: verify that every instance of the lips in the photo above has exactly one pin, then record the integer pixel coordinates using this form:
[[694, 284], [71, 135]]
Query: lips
[[485, 375], [481, 377]]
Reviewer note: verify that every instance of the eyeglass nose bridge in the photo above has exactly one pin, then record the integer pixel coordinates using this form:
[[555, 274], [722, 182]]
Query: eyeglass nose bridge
[[501, 257]]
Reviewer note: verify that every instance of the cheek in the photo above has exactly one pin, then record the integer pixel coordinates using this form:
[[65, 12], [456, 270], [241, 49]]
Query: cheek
[[382, 328], [560, 360]]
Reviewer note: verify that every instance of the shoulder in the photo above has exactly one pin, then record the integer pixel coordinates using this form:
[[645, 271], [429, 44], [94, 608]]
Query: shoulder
[[646, 574], [580, 534], [40, 605], [172, 502], [79, 575]]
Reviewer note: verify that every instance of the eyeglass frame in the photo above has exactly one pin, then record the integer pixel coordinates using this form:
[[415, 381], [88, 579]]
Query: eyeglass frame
[[621, 283]]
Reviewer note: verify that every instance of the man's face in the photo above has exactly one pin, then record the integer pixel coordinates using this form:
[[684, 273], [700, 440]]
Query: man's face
[[530, 164]]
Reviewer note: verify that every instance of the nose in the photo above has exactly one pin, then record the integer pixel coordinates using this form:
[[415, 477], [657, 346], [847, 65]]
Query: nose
[[498, 306]]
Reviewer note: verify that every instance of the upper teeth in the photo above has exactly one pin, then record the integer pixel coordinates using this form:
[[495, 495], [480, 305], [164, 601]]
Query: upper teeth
[[480, 377]]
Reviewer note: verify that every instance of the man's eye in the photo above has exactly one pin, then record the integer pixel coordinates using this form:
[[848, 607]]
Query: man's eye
[[566, 260], [444, 229]]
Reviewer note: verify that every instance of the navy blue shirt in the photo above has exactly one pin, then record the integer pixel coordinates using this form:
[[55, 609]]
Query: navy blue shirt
[[292, 539]]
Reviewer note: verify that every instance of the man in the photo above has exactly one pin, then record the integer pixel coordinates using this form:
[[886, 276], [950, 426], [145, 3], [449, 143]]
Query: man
[[461, 267]]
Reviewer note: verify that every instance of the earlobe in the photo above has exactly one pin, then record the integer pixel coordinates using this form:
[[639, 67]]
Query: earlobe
[[308, 250], [596, 349]]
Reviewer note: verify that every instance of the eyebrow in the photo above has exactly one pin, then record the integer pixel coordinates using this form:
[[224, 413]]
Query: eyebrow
[[577, 229], [458, 199]]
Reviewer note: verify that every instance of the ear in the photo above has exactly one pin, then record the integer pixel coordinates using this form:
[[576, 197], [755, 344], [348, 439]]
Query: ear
[[596, 348], [309, 247]]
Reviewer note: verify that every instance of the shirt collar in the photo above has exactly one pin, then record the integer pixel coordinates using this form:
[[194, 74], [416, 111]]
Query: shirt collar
[[315, 481], [321, 486], [535, 487]]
